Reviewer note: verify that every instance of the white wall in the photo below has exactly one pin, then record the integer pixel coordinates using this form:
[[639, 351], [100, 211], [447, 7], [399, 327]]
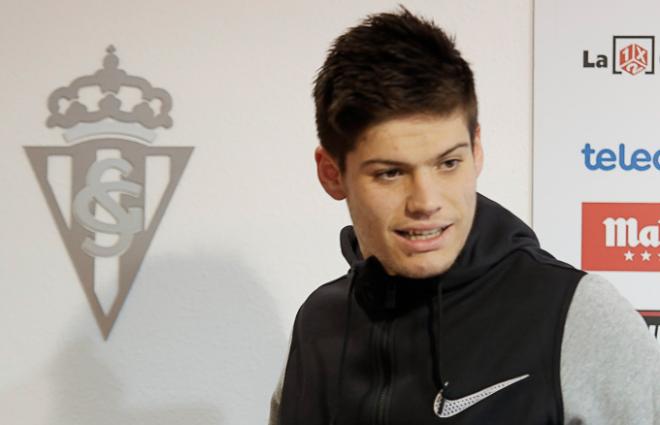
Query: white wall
[[249, 232]]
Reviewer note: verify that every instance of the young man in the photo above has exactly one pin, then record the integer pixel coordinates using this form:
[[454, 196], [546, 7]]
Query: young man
[[450, 313]]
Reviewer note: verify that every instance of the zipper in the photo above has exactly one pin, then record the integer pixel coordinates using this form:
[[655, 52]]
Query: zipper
[[382, 401], [386, 358]]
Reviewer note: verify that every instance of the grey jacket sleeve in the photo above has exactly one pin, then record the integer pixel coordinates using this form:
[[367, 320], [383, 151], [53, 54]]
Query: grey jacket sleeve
[[610, 363], [275, 402], [276, 398]]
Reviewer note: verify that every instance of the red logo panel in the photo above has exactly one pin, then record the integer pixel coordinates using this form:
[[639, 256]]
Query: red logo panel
[[633, 59], [621, 237]]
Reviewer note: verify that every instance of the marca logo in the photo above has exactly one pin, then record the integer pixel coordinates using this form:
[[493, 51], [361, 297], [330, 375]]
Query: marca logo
[[633, 55], [112, 203], [621, 237]]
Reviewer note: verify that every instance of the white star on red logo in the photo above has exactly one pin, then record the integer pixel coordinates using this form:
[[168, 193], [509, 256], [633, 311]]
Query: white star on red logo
[[646, 256], [629, 255]]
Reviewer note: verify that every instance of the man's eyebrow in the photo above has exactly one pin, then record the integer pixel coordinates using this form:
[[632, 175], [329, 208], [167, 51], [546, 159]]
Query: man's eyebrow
[[391, 162]]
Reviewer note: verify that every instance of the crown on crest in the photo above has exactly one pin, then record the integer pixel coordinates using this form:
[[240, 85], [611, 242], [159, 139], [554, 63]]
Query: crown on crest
[[105, 95]]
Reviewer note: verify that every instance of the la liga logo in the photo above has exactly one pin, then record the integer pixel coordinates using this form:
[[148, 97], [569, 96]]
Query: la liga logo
[[631, 55]]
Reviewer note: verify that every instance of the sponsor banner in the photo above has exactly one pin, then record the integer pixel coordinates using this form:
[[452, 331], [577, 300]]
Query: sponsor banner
[[596, 143], [652, 317], [653, 320], [631, 54], [620, 237]]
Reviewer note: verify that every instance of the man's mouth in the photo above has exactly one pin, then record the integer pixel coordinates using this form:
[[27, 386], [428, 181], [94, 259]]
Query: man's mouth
[[419, 234]]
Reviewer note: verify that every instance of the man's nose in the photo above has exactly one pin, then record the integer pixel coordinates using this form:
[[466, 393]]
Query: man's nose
[[424, 198]]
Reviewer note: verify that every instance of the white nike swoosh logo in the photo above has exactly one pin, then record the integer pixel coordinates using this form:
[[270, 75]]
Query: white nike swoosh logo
[[454, 407]]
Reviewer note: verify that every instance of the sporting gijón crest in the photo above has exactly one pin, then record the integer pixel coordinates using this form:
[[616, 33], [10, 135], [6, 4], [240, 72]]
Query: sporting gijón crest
[[97, 184]]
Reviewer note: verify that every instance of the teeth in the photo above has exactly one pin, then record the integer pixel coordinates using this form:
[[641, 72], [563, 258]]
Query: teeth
[[422, 234]]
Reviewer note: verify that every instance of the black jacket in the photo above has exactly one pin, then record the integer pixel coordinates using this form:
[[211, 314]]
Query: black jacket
[[369, 348]]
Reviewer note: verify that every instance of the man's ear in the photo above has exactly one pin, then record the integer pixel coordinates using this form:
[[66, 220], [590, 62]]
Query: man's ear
[[478, 150], [329, 174]]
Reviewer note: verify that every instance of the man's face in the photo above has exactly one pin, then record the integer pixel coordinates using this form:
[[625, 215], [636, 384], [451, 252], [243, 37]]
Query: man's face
[[410, 185]]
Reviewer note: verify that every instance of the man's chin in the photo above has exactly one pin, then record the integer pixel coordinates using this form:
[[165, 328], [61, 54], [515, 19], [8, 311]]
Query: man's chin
[[423, 269]]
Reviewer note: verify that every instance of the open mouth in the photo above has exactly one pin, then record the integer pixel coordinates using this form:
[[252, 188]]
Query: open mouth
[[414, 234]]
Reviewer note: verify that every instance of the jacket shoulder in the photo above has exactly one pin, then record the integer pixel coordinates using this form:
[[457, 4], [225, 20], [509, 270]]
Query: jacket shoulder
[[546, 265], [323, 308], [328, 295]]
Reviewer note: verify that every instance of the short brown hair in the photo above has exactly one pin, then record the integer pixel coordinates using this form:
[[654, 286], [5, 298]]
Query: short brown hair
[[389, 66]]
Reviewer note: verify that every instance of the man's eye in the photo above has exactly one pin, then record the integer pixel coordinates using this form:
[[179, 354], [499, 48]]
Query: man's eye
[[450, 164], [390, 174]]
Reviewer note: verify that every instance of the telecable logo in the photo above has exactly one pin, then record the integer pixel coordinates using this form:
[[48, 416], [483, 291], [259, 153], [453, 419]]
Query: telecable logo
[[622, 158]]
